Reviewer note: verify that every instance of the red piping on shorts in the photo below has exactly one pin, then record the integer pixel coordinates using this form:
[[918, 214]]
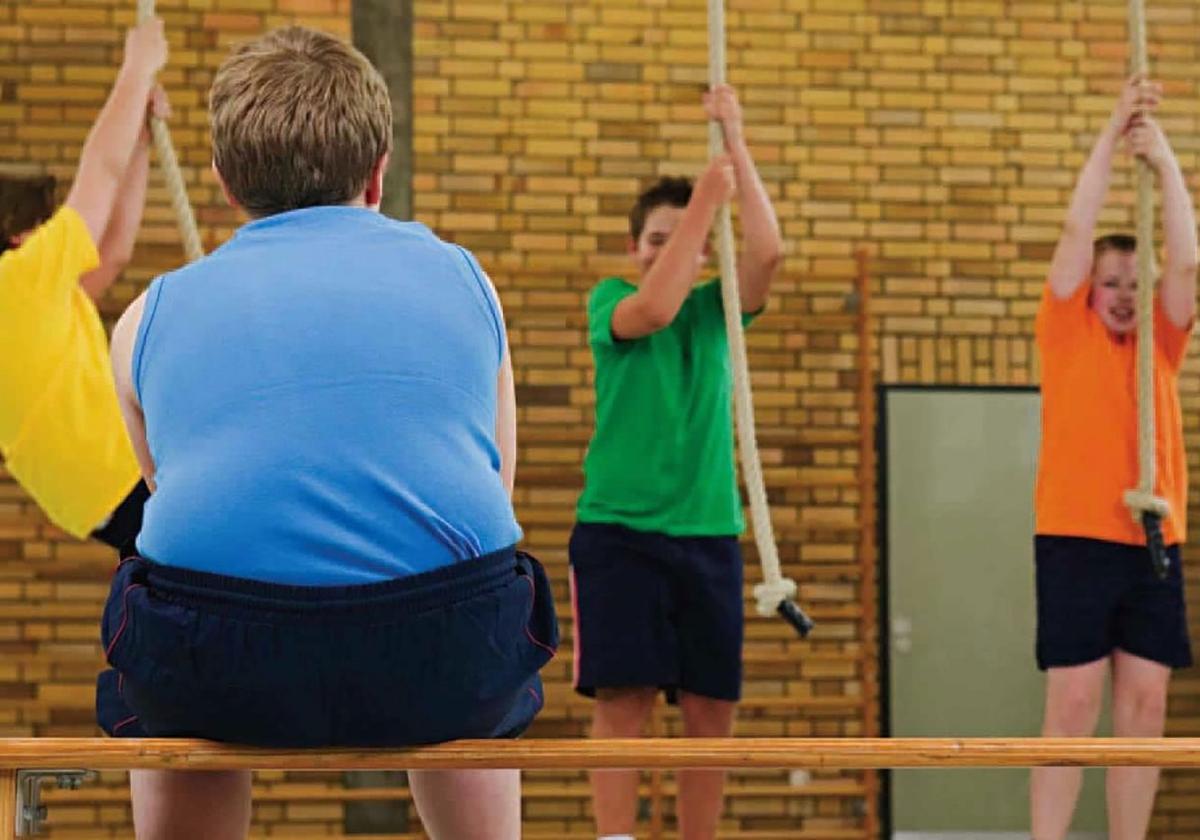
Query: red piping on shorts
[[122, 723], [124, 618], [575, 644], [532, 604]]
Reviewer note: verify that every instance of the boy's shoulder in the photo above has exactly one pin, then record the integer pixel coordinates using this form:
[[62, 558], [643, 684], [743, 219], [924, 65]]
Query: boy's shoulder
[[609, 288], [56, 254]]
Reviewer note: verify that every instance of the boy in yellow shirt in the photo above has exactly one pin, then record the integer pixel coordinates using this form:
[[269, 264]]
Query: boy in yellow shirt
[[61, 433]]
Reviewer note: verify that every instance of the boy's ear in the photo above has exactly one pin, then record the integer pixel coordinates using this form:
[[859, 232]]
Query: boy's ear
[[229, 199], [373, 196]]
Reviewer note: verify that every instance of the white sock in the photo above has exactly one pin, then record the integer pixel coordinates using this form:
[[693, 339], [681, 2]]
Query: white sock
[[616, 837]]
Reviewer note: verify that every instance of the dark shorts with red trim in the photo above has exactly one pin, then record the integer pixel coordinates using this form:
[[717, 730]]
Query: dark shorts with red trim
[[445, 654]]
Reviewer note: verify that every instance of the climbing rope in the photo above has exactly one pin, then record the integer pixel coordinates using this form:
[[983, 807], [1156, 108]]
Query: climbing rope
[[167, 159], [1147, 509], [775, 592]]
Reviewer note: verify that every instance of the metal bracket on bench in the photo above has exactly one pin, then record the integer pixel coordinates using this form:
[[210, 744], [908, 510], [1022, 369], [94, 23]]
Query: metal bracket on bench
[[31, 813]]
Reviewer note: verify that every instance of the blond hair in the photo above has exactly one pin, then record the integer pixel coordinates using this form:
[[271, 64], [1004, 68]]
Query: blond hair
[[299, 119]]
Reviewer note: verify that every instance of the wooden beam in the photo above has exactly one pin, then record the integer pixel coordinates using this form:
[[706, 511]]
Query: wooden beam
[[8, 803], [649, 753], [382, 29]]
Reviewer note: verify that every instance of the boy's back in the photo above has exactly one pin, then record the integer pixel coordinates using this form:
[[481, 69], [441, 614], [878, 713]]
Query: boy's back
[[340, 369]]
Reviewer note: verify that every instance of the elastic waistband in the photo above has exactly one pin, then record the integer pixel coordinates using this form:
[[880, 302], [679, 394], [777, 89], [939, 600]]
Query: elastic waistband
[[435, 587]]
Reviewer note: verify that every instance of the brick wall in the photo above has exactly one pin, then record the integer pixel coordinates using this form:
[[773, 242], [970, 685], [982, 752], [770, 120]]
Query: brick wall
[[943, 134]]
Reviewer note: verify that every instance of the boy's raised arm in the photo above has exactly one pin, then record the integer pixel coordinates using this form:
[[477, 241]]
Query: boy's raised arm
[[116, 246], [1072, 260], [668, 282], [110, 145], [1178, 284], [762, 243]]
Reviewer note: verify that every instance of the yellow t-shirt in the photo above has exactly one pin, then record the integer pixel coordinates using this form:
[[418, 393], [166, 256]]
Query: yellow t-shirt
[[61, 431]]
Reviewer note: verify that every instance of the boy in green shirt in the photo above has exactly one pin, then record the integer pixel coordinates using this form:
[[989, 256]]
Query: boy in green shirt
[[656, 571]]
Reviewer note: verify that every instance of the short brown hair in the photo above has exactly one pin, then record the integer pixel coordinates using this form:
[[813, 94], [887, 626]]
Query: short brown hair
[[299, 119], [25, 202], [1122, 242], [673, 192]]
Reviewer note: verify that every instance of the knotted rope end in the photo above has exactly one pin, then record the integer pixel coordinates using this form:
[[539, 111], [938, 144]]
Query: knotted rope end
[[1139, 501], [769, 594]]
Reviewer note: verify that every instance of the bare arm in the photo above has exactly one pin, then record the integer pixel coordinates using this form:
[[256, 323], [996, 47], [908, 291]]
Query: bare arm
[[1072, 260], [110, 145], [668, 282], [506, 424], [1178, 282], [762, 244], [116, 246], [123, 339], [506, 403]]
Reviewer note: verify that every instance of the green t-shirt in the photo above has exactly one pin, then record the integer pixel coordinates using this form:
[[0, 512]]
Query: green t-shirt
[[661, 457]]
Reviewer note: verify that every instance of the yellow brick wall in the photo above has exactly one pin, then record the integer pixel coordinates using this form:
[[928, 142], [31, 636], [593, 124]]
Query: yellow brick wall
[[942, 134]]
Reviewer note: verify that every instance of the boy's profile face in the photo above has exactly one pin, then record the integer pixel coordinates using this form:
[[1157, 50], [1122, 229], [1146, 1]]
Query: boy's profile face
[[1114, 291], [660, 222]]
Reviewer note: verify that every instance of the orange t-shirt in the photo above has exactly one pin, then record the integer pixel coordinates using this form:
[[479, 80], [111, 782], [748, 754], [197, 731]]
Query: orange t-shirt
[[1089, 424]]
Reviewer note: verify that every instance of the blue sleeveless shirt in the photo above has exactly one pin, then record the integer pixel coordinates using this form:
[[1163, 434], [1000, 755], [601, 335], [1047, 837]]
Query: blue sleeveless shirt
[[320, 404]]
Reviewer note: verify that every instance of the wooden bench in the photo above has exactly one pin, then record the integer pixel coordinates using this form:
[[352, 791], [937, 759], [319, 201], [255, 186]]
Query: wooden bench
[[26, 754], [560, 834]]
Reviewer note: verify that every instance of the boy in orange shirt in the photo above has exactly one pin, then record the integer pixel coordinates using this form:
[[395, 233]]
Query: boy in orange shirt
[[1100, 602]]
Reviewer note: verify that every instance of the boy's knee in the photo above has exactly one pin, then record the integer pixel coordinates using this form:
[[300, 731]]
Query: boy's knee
[[707, 716], [1072, 714], [1141, 708], [623, 711]]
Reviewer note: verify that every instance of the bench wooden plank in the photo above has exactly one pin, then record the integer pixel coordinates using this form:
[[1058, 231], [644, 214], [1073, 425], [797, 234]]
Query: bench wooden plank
[[643, 753]]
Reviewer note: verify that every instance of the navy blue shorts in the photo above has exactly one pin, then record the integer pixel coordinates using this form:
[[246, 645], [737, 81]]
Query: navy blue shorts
[[1095, 596], [654, 610], [445, 654]]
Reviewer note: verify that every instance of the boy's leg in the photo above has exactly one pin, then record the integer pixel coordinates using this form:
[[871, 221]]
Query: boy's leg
[[468, 804], [625, 647], [1073, 696], [190, 805], [1139, 711], [1080, 583], [702, 792], [1151, 640], [618, 713], [711, 620]]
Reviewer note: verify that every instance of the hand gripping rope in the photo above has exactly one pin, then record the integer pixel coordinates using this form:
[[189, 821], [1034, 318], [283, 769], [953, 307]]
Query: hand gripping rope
[[775, 593], [1147, 509]]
